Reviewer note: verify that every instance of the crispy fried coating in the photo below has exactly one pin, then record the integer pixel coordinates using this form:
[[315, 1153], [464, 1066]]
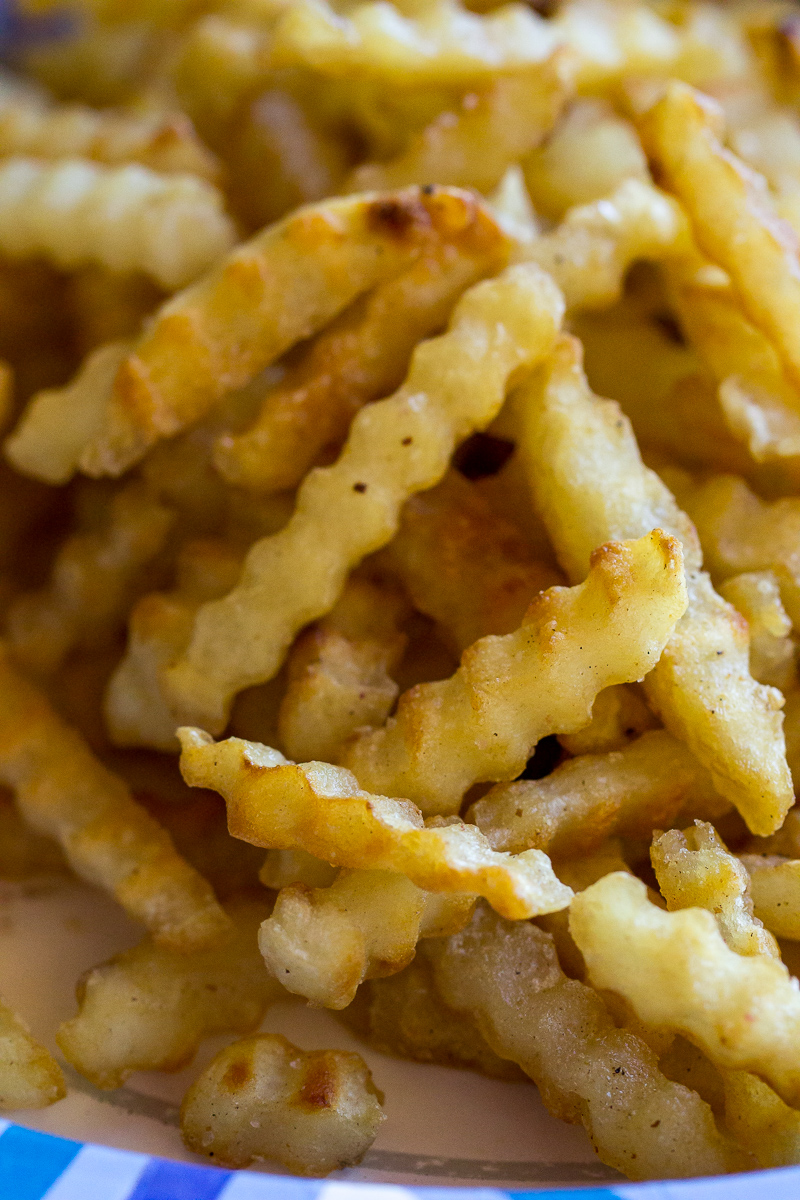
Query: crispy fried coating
[[322, 943], [509, 692], [590, 484], [109, 840], [676, 971], [314, 1111], [149, 1008], [396, 447], [321, 809]]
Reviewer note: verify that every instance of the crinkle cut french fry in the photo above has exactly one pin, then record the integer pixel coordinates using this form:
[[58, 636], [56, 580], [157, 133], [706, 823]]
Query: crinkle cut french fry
[[321, 809], [757, 596], [360, 357], [619, 714], [92, 581], [45, 446], [149, 1008], [465, 564], [590, 484], [456, 384], [262, 1098], [281, 286], [675, 970], [590, 251], [405, 1015], [730, 211], [100, 64], [625, 792], [23, 852], [29, 1075], [109, 840], [166, 143], [158, 627], [775, 892], [695, 870], [509, 692], [447, 45], [339, 671], [128, 218], [473, 147], [322, 943], [506, 978], [741, 532], [154, 12]]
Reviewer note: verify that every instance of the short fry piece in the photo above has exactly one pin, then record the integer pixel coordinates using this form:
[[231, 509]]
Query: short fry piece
[[322, 943], [775, 889], [398, 446], [149, 1008], [508, 980], [757, 596], [590, 484], [109, 840], [624, 792], [29, 1075], [509, 692], [172, 227], [314, 1111], [675, 970], [281, 286], [730, 211], [695, 870], [321, 809]]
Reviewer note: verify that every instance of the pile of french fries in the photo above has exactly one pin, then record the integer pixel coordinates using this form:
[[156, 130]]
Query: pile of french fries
[[351, 639]]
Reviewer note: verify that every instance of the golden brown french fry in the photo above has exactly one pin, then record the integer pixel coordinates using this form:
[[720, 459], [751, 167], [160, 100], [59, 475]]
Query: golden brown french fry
[[321, 809], [109, 840], [29, 1075], [590, 484], [509, 692]]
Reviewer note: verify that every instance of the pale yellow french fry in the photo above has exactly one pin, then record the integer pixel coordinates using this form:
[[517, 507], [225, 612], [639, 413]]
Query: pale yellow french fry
[[508, 980], [262, 1097], [274, 290], [92, 581], [361, 356], [676, 971], [775, 890], [732, 217], [322, 943], [590, 484], [31, 125], [396, 447], [29, 1075], [590, 251], [445, 44], [126, 218], [321, 809], [109, 840], [485, 720], [474, 145], [149, 1008], [757, 596], [625, 792], [695, 870]]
